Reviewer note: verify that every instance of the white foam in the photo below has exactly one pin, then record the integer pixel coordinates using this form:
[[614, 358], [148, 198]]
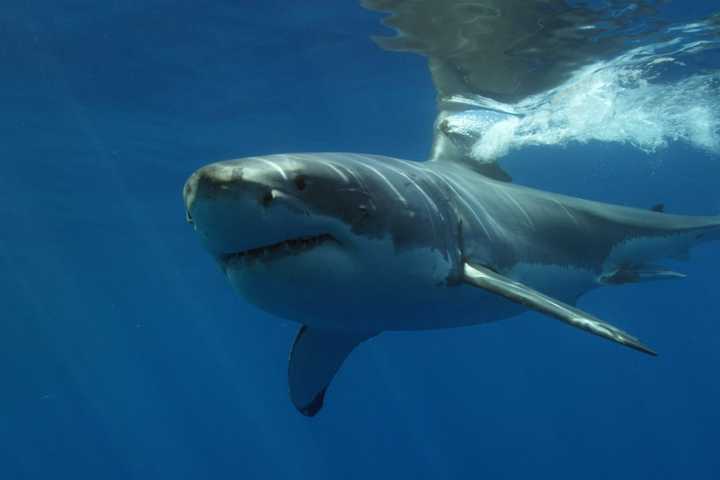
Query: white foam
[[646, 97]]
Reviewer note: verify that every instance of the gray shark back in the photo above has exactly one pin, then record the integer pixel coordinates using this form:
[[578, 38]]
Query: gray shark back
[[509, 226], [466, 215]]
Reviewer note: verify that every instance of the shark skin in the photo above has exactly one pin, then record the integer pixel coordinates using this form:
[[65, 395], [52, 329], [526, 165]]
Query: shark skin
[[352, 245]]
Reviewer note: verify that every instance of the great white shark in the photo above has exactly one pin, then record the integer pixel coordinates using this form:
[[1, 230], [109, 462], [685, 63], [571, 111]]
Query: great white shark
[[352, 245]]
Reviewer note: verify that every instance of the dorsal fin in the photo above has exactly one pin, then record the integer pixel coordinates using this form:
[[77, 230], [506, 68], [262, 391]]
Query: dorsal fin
[[660, 208], [492, 170], [454, 147]]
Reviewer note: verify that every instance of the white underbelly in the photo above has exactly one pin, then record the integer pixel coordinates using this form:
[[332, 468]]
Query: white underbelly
[[388, 290]]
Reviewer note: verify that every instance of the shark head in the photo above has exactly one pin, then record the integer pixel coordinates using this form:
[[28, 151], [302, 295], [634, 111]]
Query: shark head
[[294, 232]]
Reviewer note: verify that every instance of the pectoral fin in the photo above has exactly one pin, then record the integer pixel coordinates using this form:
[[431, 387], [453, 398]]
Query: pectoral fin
[[487, 279], [315, 357]]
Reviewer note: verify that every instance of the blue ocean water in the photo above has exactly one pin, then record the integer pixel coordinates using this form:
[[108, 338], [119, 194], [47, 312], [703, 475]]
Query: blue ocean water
[[124, 353]]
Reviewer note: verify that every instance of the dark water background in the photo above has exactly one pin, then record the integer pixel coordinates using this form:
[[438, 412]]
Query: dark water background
[[124, 354]]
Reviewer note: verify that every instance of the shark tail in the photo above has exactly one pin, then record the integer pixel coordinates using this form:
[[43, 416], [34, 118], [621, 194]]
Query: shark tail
[[656, 236], [713, 233]]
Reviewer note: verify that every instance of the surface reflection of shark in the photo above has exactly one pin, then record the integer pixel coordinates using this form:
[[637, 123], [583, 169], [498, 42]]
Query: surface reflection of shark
[[352, 245]]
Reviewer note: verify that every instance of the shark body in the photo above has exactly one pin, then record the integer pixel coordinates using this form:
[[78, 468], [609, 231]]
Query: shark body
[[352, 245]]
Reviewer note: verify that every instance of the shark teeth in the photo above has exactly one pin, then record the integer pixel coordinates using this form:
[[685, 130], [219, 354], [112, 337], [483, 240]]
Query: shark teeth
[[293, 246]]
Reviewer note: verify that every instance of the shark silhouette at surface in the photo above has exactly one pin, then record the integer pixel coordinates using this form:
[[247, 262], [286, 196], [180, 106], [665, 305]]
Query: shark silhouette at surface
[[351, 245]]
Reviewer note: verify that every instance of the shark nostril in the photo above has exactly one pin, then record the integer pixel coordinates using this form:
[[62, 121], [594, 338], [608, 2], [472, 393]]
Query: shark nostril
[[267, 198]]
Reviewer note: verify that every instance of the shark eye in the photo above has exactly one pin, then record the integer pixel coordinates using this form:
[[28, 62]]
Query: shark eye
[[300, 182]]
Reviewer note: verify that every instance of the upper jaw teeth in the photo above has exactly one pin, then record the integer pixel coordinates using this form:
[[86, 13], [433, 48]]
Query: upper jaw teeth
[[294, 245]]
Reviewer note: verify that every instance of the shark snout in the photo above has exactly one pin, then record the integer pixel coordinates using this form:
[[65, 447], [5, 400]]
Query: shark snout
[[240, 205], [217, 183], [210, 182], [188, 193]]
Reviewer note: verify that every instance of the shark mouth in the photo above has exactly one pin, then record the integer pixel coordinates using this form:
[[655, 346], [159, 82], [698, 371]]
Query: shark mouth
[[268, 253]]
